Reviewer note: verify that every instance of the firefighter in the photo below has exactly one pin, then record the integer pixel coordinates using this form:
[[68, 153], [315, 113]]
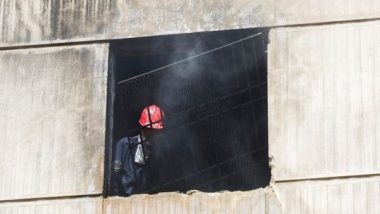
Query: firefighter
[[132, 153]]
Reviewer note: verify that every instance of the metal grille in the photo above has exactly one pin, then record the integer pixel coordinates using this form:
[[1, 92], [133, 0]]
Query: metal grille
[[215, 105]]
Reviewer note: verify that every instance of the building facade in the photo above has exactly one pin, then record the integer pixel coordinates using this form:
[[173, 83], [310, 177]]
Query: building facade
[[323, 103]]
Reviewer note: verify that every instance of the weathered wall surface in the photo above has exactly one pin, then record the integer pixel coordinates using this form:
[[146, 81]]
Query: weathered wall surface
[[25, 22], [52, 121], [256, 201], [63, 206], [324, 101], [354, 195]]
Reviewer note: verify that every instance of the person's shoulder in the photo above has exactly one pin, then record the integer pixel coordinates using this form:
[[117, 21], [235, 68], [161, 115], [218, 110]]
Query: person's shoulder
[[128, 140], [134, 139], [124, 140]]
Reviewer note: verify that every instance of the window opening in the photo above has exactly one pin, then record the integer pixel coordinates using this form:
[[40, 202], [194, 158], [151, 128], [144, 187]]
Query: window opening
[[211, 88]]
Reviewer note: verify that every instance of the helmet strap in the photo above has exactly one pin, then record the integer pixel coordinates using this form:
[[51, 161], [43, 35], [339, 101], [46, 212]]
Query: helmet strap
[[150, 119]]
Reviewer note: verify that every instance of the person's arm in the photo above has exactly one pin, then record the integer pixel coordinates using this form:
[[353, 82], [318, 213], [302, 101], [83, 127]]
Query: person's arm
[[123, 167], [116, 167], [119, 156]]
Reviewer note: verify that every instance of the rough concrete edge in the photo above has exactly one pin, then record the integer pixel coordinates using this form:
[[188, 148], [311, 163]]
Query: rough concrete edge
[[271, 148], [272, 199], [189, 193], [268, 194], [272, 190]]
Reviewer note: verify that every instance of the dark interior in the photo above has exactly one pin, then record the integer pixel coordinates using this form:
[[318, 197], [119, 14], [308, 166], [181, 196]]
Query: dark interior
[[212, 88]]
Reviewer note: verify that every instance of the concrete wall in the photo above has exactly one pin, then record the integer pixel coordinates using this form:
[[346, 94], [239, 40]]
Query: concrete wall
[[348, 195], [26, 22], [324, 99], [52, 126], [257, 201], [61, 206]]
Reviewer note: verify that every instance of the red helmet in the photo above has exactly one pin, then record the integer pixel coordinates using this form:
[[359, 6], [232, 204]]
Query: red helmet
[[151, 117]]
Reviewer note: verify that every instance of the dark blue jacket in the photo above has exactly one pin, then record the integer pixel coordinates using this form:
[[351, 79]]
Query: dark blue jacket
[[129, 175]]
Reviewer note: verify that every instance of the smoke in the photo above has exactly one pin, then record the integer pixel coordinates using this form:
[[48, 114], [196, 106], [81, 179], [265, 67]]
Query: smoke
[[214, 104]]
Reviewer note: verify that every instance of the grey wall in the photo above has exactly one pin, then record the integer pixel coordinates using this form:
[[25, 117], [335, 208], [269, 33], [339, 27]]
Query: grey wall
[[26, 22], [348, 195], [61, 206], [324, 103], [324, 99], [52, 121]]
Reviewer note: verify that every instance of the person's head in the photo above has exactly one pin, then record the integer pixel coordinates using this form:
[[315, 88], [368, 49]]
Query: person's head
[[151, 120]]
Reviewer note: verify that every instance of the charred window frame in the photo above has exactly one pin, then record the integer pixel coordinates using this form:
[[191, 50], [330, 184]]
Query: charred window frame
[[212, 87]]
